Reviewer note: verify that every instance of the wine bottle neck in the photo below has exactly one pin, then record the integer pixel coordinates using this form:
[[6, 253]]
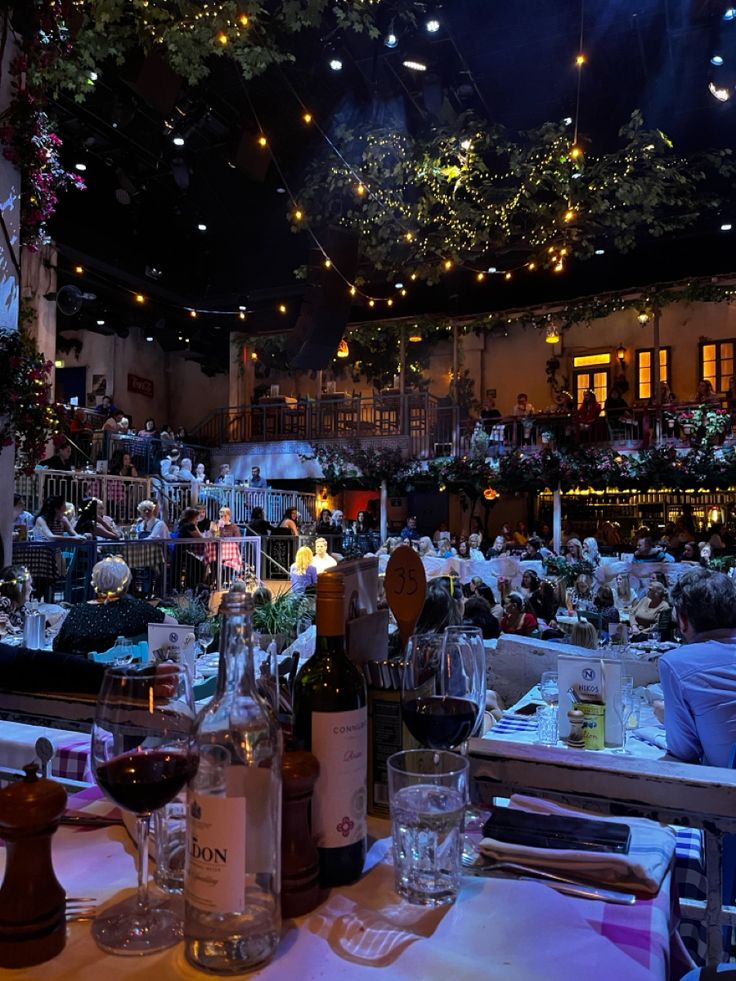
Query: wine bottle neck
[[332, 646], [236, 660]]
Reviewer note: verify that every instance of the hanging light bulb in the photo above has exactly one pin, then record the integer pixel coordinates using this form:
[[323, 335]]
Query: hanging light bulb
[[553, 334], [343, 351], [415, 336]]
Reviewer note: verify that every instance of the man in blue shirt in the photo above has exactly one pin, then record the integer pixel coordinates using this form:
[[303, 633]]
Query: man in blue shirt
[[699, 679], [410, 533]]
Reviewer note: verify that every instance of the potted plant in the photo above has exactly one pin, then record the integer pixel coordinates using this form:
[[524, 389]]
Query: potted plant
[[278, 619]]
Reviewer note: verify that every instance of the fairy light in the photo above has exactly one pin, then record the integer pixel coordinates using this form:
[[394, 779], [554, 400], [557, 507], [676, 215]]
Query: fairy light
[[262, 141], [140, 298], [298, 215], [243, 19], [507, 276], [241, 315], [480, 277], [193, 314], [580, 60], [371, 303], [79, 270], [307, 117], [360, 190], [222, 38], [448, 265], [570, 215], [328, 263], [282, 308]]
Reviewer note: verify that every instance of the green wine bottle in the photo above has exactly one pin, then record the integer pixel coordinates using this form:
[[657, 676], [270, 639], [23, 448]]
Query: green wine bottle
[[331, 720]]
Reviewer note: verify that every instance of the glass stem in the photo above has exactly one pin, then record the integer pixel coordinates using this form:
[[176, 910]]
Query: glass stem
[[142, 822]]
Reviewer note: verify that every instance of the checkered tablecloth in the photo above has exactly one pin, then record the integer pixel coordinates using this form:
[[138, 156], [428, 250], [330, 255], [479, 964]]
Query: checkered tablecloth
[[40, 559], [145, 554], [71, 759]]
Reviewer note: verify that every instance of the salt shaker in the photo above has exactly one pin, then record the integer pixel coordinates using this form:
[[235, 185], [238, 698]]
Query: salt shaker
[[32, 901]]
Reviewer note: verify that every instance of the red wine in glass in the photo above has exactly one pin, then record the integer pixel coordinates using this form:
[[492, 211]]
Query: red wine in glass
[[142, 781], [440, 721], [142, 755]]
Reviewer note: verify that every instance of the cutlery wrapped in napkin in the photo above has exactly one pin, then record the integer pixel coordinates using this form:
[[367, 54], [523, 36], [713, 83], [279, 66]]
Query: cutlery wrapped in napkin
[[641, 870]]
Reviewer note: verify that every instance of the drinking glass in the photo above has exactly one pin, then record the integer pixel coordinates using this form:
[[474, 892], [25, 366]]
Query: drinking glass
[[142, 756], [427, 794], [440, 692], [549, 688], [205, 634], [631, 716], [469, 641], [547, 731]]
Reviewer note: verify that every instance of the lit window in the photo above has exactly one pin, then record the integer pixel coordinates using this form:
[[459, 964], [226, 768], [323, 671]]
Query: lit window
[[644, 372]]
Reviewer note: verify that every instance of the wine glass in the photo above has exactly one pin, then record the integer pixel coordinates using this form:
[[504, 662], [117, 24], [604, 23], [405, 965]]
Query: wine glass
[[440, 698], [630, 717], [205, 632], [471, 640], [142, 756], [549, 688]]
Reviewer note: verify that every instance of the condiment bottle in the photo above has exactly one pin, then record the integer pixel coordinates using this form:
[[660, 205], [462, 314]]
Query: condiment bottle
[[32, 902]]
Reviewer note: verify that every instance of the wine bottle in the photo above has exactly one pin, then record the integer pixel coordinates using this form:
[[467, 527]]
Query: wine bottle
[[331, 720], [232, 913]]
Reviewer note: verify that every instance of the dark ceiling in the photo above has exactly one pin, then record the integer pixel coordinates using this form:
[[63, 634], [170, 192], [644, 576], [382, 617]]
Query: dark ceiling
[[512, 61]]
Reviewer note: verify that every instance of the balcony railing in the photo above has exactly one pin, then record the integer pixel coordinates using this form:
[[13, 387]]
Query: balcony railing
[[121, 496], [427, 425]]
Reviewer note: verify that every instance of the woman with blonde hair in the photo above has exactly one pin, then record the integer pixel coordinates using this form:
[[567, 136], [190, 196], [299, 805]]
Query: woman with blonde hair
[[96, 624], [302, 573], [584, 634]]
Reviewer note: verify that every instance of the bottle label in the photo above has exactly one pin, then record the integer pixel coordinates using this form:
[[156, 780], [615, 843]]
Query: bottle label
[[340, 743], [215, 862]]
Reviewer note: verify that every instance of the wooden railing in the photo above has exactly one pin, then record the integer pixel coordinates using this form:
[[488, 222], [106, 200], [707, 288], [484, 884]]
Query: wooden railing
[[427, 426]]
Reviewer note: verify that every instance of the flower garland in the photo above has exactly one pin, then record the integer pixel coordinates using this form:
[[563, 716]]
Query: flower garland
[[29, 418], [27, 131]]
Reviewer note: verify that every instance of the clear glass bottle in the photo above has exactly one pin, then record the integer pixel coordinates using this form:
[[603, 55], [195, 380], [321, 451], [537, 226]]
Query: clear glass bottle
[[331, 720], [232, 916]]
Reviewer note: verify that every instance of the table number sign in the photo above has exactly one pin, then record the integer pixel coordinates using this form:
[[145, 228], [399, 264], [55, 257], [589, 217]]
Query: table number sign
[[406, 588]]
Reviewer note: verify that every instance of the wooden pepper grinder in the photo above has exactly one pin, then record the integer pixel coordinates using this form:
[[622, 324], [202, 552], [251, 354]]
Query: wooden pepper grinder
[[576, 740], [32, 902], [300, 890]]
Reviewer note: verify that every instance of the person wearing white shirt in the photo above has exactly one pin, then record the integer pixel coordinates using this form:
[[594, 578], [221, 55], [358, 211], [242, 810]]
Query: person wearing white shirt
[[149, 525], [474, 545], [225, 476], [21, 517], [322, 561]]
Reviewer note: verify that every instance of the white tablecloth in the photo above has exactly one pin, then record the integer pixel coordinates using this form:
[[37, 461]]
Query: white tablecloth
[[499, 930]]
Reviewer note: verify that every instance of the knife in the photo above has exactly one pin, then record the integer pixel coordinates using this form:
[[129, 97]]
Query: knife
[[578, 890]]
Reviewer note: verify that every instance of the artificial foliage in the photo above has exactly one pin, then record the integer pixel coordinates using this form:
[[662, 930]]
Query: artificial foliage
[[27, 132], [352, 464], [477, 196], [29, 418]]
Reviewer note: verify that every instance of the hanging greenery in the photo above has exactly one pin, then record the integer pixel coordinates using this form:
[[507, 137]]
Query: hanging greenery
[[29, 419], [475, 195]]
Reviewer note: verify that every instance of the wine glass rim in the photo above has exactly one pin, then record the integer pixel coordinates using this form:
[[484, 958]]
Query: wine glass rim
[[393, 762]]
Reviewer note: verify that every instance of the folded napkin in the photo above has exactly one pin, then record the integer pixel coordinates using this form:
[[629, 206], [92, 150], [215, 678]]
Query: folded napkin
[[654, 735], [641, 870]]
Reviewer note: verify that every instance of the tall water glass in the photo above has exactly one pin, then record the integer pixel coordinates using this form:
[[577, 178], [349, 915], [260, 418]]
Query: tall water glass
[[428, 792]]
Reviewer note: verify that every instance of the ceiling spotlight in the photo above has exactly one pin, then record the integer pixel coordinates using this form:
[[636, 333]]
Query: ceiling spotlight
[[727, 227], [729, 13], [242, 308], [81, 167], [149, 338], [600, 251], [153, 272], [336, 64], [281, 190], [201, 227], [100, 323], [719, 92], [432, 25], [492, 269], [567, 120], [178, 141], [399, 286], [415, 66], [391, 41], [716, 60]]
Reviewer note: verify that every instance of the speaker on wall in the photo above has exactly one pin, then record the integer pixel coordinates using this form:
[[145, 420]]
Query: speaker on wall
[[325, 308]]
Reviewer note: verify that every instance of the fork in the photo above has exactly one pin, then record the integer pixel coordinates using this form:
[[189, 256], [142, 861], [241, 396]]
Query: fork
[[80, 908]]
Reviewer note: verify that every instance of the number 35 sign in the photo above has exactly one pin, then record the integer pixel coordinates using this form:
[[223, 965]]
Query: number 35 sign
[[406, 588]]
